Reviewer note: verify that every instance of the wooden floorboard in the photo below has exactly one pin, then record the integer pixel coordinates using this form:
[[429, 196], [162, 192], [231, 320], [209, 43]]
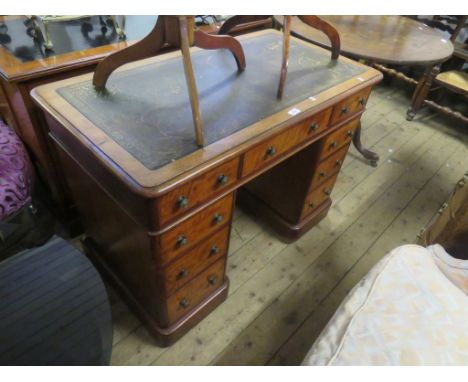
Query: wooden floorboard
[[402, 230], [277, 322], [281, 296]]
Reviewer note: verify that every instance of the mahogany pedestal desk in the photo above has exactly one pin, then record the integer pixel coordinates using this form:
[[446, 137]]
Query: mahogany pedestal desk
[[157, 209]]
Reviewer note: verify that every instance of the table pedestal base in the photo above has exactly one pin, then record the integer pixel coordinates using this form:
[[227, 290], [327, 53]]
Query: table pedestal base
[[163, 336]]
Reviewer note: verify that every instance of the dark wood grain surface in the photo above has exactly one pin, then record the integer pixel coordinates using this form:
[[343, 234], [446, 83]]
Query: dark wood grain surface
[[384, 39]]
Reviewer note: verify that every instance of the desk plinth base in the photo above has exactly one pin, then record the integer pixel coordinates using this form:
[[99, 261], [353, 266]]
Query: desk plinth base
[[288, 232], [163, 336]]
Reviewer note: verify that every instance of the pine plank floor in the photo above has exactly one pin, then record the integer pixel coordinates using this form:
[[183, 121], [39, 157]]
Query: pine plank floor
[[281, 296]]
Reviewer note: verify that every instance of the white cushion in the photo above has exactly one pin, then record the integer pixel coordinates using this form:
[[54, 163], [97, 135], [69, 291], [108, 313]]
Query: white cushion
[[405, 311]]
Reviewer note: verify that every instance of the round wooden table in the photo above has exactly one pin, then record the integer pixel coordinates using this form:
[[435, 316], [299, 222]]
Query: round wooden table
[[381, 40]]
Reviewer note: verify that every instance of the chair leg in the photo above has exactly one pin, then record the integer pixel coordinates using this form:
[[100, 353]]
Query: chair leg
[[206, 41], [284, 64], [446, 110], [317, 23], [233, 21], [47, 40], [147, 47], [190, 78]]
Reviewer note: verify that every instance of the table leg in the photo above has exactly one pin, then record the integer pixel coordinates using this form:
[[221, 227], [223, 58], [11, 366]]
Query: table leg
[[422, 89], [369, 155]]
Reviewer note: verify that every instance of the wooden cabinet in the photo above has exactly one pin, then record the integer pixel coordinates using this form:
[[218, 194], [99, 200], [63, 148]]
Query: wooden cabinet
[[295, 194]]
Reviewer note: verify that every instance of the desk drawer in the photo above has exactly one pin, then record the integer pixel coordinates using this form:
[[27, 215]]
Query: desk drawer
[[195, 260], [194, 229], [193, 193], [313, 125], [339, 138], [350, 105], [270, 150], [329, 167], [318, 196], [190, 295]]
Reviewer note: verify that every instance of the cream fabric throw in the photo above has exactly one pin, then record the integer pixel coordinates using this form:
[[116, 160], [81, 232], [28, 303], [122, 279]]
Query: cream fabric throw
[[410, 309]]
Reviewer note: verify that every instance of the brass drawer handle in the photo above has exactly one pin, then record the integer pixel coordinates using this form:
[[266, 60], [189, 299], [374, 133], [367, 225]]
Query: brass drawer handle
[[182, 201], [334, 144], [344, 110], [218, 218], [350, 133], [362, 101], [313, 127], [339, 162], [214, 250], [223, 179], [323, 174], [181, 240], [184, 303], [183, 273], [271, 150], [212, 279], [327, 192]]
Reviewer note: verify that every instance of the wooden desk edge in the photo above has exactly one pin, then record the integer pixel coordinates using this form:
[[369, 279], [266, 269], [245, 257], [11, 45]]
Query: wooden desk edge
[[162, 179]]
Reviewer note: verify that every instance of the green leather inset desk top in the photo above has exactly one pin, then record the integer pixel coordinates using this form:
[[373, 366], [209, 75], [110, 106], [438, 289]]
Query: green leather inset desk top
[[148, 113]]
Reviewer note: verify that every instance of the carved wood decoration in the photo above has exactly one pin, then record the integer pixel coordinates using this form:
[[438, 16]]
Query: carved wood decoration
[[446, 110]]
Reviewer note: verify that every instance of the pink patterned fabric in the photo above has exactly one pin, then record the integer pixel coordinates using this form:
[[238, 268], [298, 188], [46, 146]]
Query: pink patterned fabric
[[16, 175]]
